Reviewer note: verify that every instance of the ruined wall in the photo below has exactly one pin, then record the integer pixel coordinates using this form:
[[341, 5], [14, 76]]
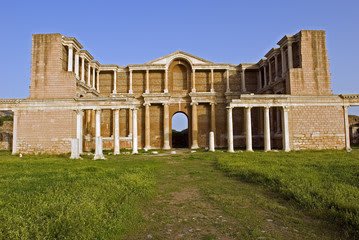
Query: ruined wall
[[49, 79], [316, 127], [46, 131]]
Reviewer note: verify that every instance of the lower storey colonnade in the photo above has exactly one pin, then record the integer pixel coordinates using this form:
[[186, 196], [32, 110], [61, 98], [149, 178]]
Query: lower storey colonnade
[[266, 125]]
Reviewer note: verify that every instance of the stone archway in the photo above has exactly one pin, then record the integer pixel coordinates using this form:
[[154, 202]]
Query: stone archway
[[180, 130]]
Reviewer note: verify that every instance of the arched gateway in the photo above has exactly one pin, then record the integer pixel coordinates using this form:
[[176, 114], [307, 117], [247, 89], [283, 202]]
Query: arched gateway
[[283, 100]]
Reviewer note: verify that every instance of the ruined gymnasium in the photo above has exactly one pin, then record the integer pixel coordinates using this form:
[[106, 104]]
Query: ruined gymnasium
[[283, 101]]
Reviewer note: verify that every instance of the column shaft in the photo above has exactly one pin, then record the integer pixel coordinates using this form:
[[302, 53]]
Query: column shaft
[[88, 75], [166, 131], [77, 63], [116, 131], [98, 150], [147, 81], [248, 129], [14, 132], [243, 82], [166, 81], [267, 143], [259, 79], [213, 117], [282, 54], [265, 75], [98, 81], [227, 81], [70, 58], [134, 132], [290, 55], [130, 122], [130, 91], [194, 126], [93, 77], [212, 80], [83, 69], [285, 130], [276, 67], [79, 129], [194, 80], [230, 130], [147, 127], [114, 91], [346, 126], [270, 71]]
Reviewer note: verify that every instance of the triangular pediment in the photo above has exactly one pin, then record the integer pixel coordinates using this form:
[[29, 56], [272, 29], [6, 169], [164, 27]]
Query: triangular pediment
[[179, 54]]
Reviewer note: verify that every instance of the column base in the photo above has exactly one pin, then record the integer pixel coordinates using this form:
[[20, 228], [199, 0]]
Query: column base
[[166, 147], [194, 147], [99, 157], [134, 152], [116, 153], [147, 148], [230, 150], [165, 91], [249, 150], [130, 91]]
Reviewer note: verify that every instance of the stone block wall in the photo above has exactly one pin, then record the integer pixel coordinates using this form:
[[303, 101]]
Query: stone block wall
[[316, 127]]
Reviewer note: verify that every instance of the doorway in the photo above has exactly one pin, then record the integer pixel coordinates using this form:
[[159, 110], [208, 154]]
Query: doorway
[[180, 130]]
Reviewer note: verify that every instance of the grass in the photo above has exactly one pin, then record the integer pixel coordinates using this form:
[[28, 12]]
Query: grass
[[326, 182], [183, 196]]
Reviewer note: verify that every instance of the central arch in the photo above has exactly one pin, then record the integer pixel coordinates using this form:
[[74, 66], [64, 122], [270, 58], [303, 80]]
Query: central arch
[[180, 136]]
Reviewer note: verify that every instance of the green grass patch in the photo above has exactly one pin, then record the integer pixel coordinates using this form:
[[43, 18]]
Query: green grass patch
[[49, 197], [326, 182]]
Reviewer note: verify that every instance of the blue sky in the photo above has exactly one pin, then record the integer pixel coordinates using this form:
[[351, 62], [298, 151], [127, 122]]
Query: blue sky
[[125, 32]]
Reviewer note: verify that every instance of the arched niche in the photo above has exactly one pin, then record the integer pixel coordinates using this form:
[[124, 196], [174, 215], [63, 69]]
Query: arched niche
[[179, 76]]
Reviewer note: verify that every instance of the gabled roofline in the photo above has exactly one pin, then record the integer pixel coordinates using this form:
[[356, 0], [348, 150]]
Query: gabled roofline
[[178, 52]]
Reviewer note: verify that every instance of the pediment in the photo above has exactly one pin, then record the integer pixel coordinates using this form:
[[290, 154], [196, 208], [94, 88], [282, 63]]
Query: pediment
[[194, 60]]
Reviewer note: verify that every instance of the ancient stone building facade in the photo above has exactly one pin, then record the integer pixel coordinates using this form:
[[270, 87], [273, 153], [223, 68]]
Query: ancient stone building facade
[[283, 101]]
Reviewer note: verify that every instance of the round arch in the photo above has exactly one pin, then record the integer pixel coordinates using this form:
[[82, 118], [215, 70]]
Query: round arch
[[180, 130], [179, 76]]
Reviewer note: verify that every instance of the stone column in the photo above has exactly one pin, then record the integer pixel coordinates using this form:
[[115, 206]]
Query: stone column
[[98, 150], [290, 55], [346, 126], [193, 80], [82, 69], [116, 132], [79, 129], [134, 131], [282, 53], [194, 126], [213, 117], [243, 82], [259, 79], [88, 75], [285, 129], [270, 71], [93, 77], [130, 122], [227, 81], [276, 67], [114, 82], [230, 129], [166, 127], [98, 81], [70, 58], [77, 63], [147, 127], [14, 132], [248, 129], [267, 143], [166, 81], [265, 75], [130, 91], [147, 81], [212, 80], [211, 141]]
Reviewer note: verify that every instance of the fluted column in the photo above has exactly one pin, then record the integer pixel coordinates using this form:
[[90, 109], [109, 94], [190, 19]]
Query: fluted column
[[212, 80], [282, 53], [230, 129], [147, 81], [14, 132], [98, 150], [227, 82], [70, 56], [194, 126], [166, 81], [93, 77], [290, 55], [285, 129], [134, 131], [77, 65], [166, 127], [130, 91], [79, 129], [243, 82], [147, 127], [193, 80], [98, 81], [346, 126], [116, 132], [248, 129], [88, 74], [267, 143], [82, 69], [114, 82]]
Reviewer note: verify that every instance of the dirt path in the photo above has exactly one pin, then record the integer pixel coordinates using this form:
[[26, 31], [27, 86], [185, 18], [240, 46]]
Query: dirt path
[[197, 201]]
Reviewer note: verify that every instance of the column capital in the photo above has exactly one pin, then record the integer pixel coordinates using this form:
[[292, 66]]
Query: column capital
[[286, 108], [146, 104], [165, 104], [79, 111], [212, 103], [267, 107], [246, 107], [229, 107], [194, 103]]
